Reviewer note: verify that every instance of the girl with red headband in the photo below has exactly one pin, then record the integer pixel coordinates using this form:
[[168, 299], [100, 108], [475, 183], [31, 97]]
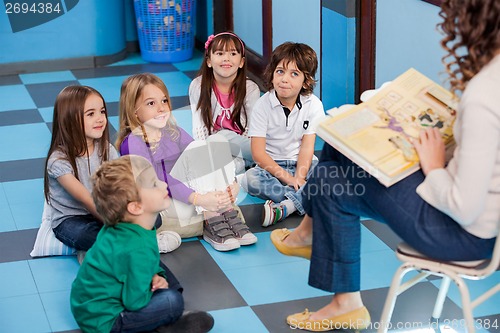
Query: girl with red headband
[[222, 96]]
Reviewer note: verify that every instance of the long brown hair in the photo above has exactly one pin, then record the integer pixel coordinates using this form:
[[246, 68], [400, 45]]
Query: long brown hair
[[304, 57], [131, 90], [224, 41], [68, 129], [473, 25]]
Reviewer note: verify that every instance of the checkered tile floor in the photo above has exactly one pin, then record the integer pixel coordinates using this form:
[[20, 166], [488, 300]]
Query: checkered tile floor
[[248, 290]]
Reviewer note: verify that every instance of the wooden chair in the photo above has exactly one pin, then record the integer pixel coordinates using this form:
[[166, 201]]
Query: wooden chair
[[457, 272]]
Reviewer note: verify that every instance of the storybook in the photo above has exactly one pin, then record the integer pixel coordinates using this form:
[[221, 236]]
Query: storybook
[[377, 134]]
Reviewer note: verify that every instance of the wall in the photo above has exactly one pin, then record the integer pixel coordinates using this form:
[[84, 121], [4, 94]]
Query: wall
[[338, 52], [407, 37], [298, 21], [248, 23], [92, 28]]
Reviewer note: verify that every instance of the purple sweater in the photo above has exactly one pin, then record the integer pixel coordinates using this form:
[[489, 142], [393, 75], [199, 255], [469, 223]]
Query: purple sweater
[[167, 152]]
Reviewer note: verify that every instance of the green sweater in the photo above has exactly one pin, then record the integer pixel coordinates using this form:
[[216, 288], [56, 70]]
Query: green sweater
[[116, 275]]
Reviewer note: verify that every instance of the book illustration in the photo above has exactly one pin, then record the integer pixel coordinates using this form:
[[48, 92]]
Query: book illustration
[[405, 147], [378, 133]]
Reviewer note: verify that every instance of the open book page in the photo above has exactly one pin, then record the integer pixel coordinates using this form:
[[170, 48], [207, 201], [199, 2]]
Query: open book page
[[377, 134]]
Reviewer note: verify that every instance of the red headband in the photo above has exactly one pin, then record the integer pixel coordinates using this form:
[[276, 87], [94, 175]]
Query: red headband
[[211, 37]]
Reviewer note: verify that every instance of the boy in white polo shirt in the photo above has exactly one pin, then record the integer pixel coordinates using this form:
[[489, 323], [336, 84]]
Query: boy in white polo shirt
[[282, 137]]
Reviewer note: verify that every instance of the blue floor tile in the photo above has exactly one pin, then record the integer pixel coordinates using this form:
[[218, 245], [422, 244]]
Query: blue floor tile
[[263, 253], [278, 277], [19, 142], [58, 311], [370, 242], [276, 283], [243, 198], [192, 64], [47, 114], [16, 280], [43, 271], [6, 219], [16, 191], [184, 119], [3, 197], [109, 87], [241, 320], [489, 307], [132, 59], [115, 122], [372, 275], [27, 215], [177, 83], [15, 97], [31, 319], [44, 77]]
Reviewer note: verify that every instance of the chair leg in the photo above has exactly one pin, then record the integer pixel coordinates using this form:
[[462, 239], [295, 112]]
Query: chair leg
[[438, 306], [466, 304], [390, 300]]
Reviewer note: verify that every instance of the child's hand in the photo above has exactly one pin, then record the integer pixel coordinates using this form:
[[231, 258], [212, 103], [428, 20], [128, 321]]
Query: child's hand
[[297, 183], [233, 190], [214, 201], [158, 282]]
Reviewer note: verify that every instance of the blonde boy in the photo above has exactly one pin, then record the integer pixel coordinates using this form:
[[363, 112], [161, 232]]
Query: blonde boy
[[122, 286]]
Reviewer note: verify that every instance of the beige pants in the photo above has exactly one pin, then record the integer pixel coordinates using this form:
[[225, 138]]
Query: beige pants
[[204, 166]]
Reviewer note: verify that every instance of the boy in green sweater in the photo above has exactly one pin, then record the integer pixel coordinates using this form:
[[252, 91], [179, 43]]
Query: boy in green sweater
[[122, 286]]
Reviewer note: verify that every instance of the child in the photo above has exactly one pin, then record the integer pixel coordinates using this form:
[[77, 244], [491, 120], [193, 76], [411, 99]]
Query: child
[[122, 285], [281, 131], [222, 97], [199, 173], [79, 145]]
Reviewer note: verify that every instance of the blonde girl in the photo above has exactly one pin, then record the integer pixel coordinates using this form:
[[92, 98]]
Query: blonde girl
[[222, 97], [79, 145], [199, 174]]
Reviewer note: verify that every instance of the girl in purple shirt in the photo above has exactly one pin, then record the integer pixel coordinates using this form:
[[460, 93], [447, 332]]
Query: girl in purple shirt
[[199, 174]]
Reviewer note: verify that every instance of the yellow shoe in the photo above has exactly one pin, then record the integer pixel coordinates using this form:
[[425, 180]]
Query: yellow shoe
[[358, 319], [279, 235]]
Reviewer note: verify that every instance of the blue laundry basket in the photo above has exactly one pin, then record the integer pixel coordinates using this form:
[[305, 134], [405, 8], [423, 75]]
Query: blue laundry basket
[[166, 29]]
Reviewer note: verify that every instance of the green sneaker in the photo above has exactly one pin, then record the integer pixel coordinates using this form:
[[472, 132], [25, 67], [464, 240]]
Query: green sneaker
[[273, 213]]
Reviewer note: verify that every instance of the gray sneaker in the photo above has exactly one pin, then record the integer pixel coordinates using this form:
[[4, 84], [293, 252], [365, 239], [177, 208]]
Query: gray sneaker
[[241, 231], [218, 233]]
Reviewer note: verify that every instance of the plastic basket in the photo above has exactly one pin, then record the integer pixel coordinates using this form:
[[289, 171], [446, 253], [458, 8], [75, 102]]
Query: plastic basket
[[166, 29]]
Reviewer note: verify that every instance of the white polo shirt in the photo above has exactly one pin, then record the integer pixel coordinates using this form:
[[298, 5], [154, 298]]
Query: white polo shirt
[[284, 136]]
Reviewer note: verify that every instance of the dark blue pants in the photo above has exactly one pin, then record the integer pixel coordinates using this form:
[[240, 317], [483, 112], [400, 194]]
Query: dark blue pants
[[80, 231], [165, 307], [339, 193]]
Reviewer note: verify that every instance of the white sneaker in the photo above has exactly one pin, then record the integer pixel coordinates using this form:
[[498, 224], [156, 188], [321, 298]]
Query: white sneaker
[[168, 241]]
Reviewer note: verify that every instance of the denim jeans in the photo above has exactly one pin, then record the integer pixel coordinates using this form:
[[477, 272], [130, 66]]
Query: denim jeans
[[240, 148], [165, 307], [339, 193], [260, 183], [78, 231]]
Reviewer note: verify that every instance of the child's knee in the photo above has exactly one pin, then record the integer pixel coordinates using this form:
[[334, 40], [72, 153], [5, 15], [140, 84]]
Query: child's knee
[[252, 180], [173, 302]]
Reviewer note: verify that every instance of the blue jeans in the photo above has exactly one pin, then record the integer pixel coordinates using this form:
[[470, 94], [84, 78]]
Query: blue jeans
[[262, 184], [79, 231], [165, 307], [240, 146], [339, 193]]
